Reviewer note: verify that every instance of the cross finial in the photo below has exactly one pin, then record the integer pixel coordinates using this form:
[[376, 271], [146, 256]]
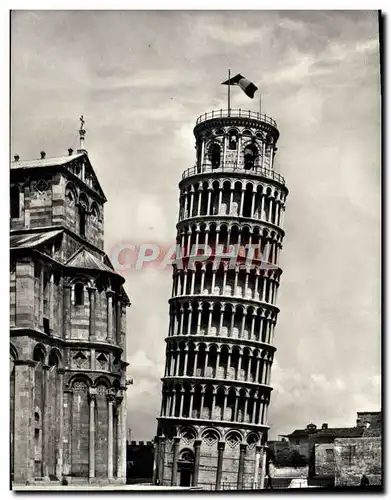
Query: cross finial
[[82, 134]]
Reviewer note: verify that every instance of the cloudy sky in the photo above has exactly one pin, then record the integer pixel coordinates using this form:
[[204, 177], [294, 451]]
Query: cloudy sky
[[141, 79]]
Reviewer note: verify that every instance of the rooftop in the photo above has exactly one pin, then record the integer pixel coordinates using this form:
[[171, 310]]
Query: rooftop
[[45, 162]]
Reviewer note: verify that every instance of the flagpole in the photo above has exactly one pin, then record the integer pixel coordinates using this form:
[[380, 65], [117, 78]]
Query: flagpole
[[260, 102], [229, 92]]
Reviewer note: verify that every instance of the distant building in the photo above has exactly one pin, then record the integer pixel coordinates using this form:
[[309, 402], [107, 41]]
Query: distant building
[[321, 452], [338, 455], [299, 439]]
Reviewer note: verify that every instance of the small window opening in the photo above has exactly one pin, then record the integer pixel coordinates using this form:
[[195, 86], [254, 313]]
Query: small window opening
[[15, 205], [233, 140], [215, 155], [79, 294], [82, 220]]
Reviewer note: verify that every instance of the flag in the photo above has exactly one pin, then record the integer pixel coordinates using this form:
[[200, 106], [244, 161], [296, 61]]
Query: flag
[[248, 87]]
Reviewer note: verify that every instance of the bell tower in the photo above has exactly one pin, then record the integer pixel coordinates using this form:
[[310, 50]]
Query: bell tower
[[216, 388]]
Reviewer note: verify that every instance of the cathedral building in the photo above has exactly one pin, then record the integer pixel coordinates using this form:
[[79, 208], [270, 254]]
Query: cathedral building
[[67, 327], [212, 428]]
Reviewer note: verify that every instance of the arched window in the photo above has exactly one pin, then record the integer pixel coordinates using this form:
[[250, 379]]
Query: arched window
[[94, 214], [14, 201], [79, 294], [233, 139], [215, 155], [70, 197], [250, 153]]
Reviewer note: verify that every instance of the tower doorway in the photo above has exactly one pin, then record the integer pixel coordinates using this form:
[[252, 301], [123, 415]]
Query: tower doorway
[[185, 477], [186, 468]]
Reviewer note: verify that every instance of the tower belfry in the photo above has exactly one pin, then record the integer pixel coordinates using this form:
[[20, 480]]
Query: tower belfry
[[213, 427]]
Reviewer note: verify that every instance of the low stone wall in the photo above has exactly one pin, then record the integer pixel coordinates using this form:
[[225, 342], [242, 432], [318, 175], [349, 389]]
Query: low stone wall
[[291, 472], [355, 457]]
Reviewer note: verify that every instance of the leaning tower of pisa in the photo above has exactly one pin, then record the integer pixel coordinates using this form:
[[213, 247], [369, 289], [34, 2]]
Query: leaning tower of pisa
[[216, 389]]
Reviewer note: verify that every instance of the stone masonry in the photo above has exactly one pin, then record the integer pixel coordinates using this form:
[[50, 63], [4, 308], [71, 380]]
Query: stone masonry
[[68, 327], [216, 390]]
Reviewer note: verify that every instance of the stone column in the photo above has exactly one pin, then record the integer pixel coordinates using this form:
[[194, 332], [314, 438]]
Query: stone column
[[156, 452], [256, 294], [189, 320], [262, 207], [193, 274], [41, 297], [110, 295], [67, 310], [252, 204], [236, 280], [255, 400], [221, 319], [202, 400], [217, 363], [243, 448], [212, 289], [241, 202], [197, 446], [224, 280], [110, 434], [223, 408], [191, 403], [256, 484], [46, 424], [246, 283], [51, 303], [162, 451], [209, 199], [186, 360], [220, 457], [121, 435], [191, 203], [245, 408], [59, 446], [91, 431], [180, 330], [231, 198], [209, 320], [263, 468], [236, 404], [241, 333], [174, 470], [202, 280], [220, 199], [258, 362], [200, 190], [92, 297], [118, 320], [199, 309], [254, 315], [181, 398], [230, 333], [23, 428], [195, 362], [271, 157], [184, 289], [67, 441]]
